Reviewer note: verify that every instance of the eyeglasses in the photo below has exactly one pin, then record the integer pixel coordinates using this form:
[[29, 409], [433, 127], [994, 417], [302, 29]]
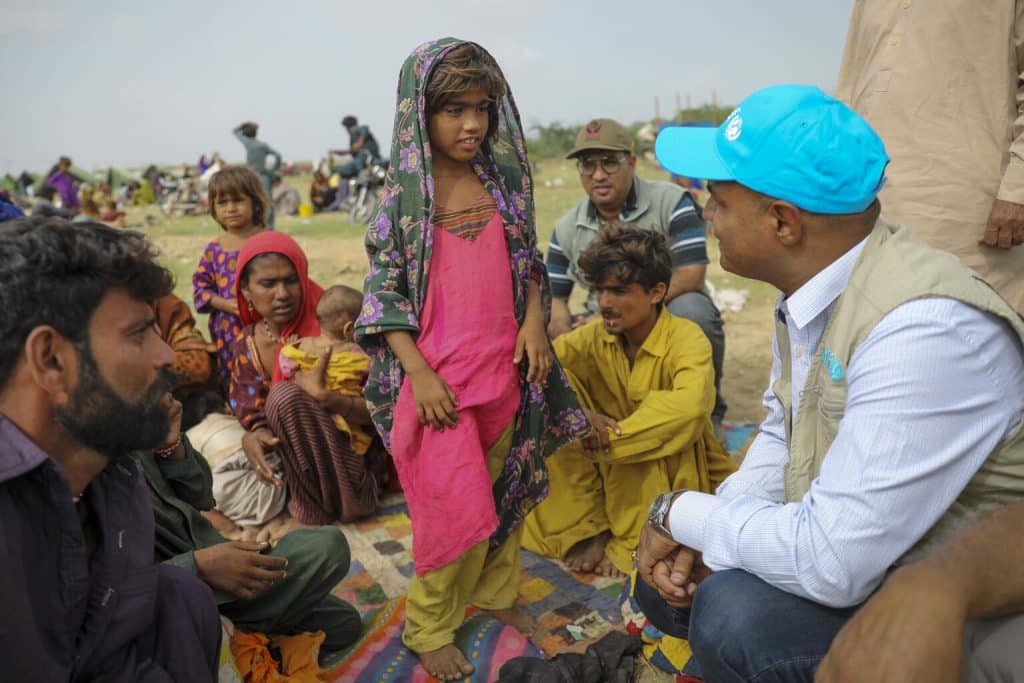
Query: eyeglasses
[[610, 164]]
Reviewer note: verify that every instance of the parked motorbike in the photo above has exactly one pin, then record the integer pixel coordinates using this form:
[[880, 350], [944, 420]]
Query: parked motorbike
[[360, 190], [363, 191]]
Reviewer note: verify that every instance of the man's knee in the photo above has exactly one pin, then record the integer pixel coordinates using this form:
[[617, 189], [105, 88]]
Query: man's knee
[[667, 619], [698, 307], [322, 552], [723, 610], [184, 598]]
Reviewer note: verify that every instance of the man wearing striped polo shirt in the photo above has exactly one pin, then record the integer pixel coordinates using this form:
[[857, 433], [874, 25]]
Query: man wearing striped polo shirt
[[607, 166]]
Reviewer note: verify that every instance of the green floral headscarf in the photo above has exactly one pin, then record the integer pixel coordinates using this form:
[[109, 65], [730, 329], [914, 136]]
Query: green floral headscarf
[[399, 242]]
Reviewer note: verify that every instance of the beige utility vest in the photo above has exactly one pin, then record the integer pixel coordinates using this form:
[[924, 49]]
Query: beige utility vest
[[893, 268]]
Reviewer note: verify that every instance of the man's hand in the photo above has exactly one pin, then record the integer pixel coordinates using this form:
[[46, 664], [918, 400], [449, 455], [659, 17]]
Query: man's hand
[[256, 444], [672, 569], [676, 578], [314, 382], [561, 319], [1005, 227], [581, 320], [175, 431], [436, 402], [910, 630], [599, 438], [238, 568], [533, 341]]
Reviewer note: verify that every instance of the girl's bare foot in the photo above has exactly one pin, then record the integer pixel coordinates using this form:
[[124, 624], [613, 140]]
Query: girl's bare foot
[[586, 556], [447, 663]]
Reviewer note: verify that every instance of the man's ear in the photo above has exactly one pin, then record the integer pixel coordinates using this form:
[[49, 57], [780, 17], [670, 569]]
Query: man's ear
[[52, 362], [658, 293], [789, 223]]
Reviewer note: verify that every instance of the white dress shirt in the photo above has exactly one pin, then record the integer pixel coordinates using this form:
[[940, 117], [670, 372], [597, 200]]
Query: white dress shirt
[[932, 390]]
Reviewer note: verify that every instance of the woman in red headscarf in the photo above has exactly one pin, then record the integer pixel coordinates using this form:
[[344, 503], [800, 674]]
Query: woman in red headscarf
[[327, 480]]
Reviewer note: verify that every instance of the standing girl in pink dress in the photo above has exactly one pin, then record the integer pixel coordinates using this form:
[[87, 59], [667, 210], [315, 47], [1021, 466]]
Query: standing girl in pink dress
[[464, 386], [239, 205]]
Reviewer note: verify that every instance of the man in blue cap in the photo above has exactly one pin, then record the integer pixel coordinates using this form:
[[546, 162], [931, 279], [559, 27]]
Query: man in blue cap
[[894, 410]]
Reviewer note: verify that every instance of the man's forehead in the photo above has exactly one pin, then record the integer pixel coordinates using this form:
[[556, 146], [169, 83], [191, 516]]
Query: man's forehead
[[119, 309], [611, 282]]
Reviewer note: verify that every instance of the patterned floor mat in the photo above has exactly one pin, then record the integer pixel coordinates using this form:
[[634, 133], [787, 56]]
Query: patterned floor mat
[[570, 609]]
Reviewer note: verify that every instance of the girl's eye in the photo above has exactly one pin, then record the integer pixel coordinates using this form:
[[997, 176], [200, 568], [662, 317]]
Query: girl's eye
[[453, 111], [484, 107]]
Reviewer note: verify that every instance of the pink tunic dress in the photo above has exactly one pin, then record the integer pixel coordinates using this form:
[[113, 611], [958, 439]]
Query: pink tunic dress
[[468, 333]]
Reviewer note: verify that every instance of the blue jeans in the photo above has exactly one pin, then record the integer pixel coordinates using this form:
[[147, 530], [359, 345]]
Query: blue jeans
[[742, 629]]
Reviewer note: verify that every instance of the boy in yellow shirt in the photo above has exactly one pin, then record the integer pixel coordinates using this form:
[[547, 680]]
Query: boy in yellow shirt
[[646, 382]]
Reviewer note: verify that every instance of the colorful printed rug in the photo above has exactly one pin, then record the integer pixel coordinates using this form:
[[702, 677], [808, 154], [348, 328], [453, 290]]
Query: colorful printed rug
[[572, 610]]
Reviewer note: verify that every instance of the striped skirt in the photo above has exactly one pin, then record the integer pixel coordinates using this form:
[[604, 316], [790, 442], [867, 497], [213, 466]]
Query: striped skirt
[[327, 481]]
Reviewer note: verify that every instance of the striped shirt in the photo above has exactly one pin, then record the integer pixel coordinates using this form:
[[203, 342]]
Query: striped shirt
[[684, 227], [932, 390]]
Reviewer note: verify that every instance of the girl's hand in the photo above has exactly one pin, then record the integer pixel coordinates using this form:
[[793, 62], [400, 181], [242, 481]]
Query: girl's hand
[[225, 305], [533, 339], [256, 444], [436, 403]]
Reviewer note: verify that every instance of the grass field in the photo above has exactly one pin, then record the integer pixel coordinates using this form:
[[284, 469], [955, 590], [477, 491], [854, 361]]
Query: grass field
[[335, 250]]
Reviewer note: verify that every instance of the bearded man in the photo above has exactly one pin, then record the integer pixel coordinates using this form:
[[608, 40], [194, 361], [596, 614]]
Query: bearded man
[[85, 379]]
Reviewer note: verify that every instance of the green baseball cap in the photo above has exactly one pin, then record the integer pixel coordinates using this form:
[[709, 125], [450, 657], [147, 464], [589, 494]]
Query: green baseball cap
[[602, 134]]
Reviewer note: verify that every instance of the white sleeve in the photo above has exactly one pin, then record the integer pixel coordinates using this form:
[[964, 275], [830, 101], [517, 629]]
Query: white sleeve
[[931, 391]]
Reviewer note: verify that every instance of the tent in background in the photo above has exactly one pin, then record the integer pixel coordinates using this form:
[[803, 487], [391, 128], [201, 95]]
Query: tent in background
[[116, 177]]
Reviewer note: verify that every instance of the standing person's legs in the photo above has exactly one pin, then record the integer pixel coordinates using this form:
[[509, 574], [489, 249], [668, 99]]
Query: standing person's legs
[[741, 628], [699, 308], [317, 560], [992, 650], [268, 183]]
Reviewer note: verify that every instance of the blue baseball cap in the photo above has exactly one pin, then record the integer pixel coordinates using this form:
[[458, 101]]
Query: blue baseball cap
[[792, 142]]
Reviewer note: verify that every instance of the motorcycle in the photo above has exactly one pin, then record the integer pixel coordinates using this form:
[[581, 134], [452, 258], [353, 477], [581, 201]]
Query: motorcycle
[[363, 191], [360, 190]]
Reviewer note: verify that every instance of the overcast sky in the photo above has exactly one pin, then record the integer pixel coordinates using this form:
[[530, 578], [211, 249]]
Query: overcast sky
[[131, 83]]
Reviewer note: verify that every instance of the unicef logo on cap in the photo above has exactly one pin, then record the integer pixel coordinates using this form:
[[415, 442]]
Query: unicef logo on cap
[[733, 125]]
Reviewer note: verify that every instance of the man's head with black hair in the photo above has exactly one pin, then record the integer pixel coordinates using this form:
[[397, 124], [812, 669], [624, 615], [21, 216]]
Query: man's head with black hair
[[79, 334]]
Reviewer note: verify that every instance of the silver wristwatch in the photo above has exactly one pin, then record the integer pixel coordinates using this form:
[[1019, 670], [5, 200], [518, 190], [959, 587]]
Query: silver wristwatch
[[659, 511]]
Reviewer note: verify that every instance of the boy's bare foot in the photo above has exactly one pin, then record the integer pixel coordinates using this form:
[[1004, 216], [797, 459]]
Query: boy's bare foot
[[517, 619], [223, 524], [607, 568], [447, 663], [586, 555]]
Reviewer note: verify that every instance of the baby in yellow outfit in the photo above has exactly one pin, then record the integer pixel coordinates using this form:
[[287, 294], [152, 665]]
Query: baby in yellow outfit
[[348, 365]]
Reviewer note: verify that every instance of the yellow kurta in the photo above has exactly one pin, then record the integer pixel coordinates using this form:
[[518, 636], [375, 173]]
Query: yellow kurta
[[940, 82], [663, 406]]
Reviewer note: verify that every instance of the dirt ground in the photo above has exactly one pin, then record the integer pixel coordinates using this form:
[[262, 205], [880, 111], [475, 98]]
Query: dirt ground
[[335, 250]]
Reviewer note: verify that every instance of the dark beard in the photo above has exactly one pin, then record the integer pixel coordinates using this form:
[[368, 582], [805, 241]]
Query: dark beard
[[97, 417]]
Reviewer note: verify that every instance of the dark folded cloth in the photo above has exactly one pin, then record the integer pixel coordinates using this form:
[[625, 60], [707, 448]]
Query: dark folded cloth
[[609, 660]]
